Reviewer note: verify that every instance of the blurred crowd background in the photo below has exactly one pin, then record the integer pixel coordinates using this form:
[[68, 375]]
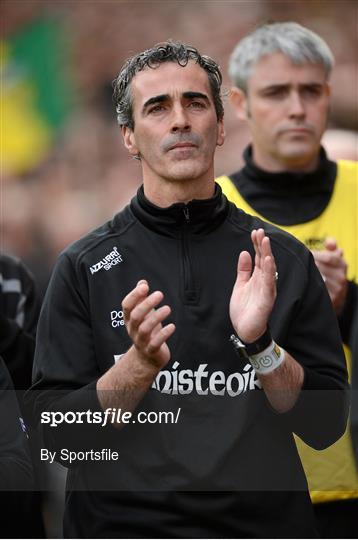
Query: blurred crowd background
[[64, 169]]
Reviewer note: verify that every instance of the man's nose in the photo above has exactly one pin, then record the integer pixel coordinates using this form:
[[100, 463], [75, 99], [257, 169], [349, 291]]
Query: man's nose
[[296, 105], [180, 120]]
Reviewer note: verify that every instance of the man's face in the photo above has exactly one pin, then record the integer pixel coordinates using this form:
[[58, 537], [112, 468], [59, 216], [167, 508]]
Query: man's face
[[175, 125], [286, 108]]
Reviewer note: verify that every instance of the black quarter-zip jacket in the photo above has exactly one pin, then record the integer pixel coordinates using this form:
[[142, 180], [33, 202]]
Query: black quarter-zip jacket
[[229, 467]]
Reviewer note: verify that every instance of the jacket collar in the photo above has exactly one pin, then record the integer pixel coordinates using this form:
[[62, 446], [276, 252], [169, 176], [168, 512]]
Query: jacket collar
[[290, 183], [199, 216]]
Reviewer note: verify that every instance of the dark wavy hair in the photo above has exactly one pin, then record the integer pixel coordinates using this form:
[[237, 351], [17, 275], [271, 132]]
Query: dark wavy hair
[[168, 51]]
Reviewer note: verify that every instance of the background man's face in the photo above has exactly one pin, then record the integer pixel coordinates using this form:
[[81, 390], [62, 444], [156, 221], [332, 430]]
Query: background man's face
[[286, 108], [175, 125]]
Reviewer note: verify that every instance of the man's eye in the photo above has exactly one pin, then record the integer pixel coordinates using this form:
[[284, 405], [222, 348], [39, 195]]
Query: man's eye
[[156, 109], [276, 93], [196, 105], [311, 92]]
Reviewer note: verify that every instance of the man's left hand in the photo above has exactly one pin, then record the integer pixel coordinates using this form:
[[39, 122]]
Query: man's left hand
[[254, 291]]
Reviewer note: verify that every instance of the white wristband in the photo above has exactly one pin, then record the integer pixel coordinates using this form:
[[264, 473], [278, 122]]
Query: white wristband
[[268, 360]]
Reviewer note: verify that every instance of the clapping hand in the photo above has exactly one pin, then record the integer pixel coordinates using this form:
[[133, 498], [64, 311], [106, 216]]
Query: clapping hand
[[254, 292], [333, 268], [144, 324]]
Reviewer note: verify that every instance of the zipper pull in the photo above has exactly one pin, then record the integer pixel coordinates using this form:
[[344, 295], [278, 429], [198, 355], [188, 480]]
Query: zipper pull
[[186, 214]]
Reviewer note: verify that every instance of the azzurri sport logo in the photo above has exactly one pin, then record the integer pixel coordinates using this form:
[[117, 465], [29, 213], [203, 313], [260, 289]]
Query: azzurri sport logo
[[112, 259]]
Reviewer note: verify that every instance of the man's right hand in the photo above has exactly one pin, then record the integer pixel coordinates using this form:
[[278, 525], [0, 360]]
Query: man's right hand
[[330, 262], [144, 324], [132, 376]]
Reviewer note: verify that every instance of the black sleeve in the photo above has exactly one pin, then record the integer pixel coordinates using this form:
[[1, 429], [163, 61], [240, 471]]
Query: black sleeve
[[15, 462], [65, 366], [320, 414], [346, 318], [17, 348], [32, 304]]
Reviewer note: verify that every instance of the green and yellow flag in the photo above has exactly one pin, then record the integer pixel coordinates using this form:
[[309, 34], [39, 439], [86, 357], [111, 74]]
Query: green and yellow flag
[[35, 94]]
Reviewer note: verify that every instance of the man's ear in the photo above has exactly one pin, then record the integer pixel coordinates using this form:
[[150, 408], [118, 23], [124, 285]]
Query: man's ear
[[221, 133], [129, 140], [238, 100]]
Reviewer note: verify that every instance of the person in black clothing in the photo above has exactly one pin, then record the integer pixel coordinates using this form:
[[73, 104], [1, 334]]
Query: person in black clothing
[[19, 312], [16, 473], [281, 90], [154, 312]]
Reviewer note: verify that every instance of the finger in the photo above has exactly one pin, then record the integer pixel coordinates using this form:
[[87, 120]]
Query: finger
[[269, 268], [262, 243], [333, 259], [328, 256], [141, 310], [136, 295], [330, 244], [334, 272], [330, 275], [255, 242], [260, 235], [157, 328], [157, 341], [266, 247], [152, 321], [244, 267]]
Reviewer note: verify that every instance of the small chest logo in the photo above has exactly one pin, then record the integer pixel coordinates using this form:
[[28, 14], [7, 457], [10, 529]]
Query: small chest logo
[[314, 243], [117, 318], [112, 259]]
